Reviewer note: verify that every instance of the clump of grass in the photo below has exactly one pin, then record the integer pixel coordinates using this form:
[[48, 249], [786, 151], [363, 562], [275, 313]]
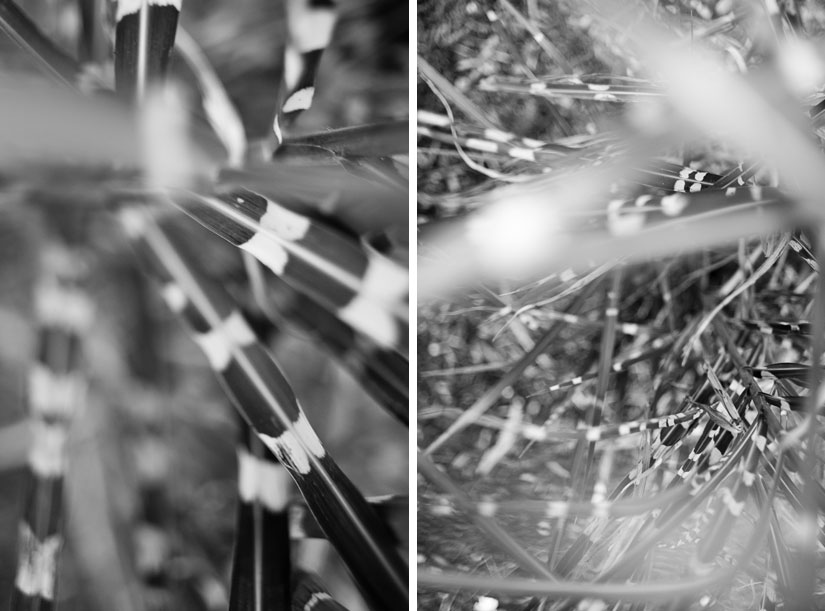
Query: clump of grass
[[620, 333], [101, 155]]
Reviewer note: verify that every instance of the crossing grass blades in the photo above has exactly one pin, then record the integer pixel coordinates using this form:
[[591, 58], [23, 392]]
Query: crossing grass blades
[[621, 331], [300, 230]]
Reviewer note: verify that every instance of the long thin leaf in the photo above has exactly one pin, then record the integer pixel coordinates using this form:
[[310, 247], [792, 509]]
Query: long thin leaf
[[265, 400], [56, 393], [262, 565]]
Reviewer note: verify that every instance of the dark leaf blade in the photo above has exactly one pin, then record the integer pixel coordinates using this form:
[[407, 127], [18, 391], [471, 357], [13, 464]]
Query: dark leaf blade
[[25, 33], [56, 394], [365, 293], [311, 595], [261, 563], [142, 57], [382, 373]]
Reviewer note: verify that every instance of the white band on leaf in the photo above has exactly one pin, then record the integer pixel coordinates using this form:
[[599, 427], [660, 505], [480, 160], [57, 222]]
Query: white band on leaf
[[220, 343], [262, 480], [130, 7], [372, 320], [300, 100], [291, 446]]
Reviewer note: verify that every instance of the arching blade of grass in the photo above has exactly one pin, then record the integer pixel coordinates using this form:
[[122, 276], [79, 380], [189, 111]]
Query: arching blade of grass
[[262, 395], [656, 347], [152, 539], [91, 39], [23, 31], [144, 37], [669, 519]]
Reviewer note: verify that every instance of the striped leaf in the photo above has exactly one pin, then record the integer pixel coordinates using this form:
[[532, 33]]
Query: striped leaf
[[261, 565], [56, 394], [311, 595], [382, 373], [309, 28], [265, 400]]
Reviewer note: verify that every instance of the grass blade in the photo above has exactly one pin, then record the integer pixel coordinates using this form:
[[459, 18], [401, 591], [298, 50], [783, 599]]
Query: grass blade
[[265, 400], [261, 565], [56, 393]]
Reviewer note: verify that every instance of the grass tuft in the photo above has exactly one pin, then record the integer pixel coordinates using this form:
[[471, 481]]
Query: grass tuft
[[620, 330]]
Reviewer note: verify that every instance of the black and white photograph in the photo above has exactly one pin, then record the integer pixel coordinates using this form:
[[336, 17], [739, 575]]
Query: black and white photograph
[[204, 305], [620, 322]]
